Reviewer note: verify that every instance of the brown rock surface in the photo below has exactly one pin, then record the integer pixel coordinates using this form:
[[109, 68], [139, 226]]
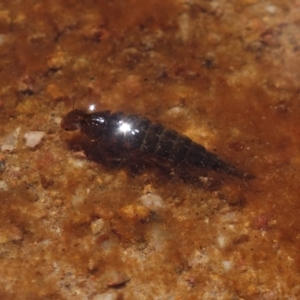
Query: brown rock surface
[[225, 73]]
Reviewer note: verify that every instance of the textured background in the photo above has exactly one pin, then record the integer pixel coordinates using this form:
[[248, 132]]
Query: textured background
[[225, 73]]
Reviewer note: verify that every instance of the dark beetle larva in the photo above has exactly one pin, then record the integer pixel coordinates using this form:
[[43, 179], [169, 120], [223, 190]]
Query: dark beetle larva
[[135, 137]]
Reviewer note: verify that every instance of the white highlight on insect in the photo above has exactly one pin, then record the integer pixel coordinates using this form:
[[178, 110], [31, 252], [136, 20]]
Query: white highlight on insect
[[125, 127], [92, 107]]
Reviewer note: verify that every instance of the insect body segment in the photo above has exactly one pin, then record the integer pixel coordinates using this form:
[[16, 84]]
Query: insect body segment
[[126, 133]]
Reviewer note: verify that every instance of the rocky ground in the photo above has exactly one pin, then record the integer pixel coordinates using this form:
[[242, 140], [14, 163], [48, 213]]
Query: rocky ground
[[224, 73]]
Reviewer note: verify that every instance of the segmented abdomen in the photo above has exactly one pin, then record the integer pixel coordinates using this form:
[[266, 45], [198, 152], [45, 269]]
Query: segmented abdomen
[[135, 132]]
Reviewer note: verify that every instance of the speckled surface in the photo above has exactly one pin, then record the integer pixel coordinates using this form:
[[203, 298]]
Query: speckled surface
[[224, 73]]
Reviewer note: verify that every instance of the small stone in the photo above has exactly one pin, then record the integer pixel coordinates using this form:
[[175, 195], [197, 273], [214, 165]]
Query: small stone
[[57, 61], [9, 141], [148, 189], [57, 120], [153, 201], [3, 185], [184, 26], [106, 296], [227, 265], [80, 64], [176, 111], [117, 279], [92, 265], [230, 216], [222, 241], [135, 212], [271, 9], [7, 148], [97, 226], [33, 138]]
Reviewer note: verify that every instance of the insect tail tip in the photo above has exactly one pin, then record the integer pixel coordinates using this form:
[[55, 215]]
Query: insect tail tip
[[242, 174], [248, 176], [239, 173]]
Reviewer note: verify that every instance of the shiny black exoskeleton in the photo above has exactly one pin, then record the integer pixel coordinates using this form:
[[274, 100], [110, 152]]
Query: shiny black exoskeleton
[[137, 137]]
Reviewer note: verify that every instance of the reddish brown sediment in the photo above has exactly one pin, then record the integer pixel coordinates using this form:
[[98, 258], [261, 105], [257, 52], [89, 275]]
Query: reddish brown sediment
[[225, 74]]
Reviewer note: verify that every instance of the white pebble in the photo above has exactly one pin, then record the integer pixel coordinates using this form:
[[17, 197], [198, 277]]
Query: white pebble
[[158, 238], [221, 241], [230, 216], [33, 138], [97, 226], [227, 265], [184, 26], [78, 198], [9, 141], [57, 120], [7, 148], [153, 201], [271, 9], [176, 110], [106, 296], [3, 185], [77, 163]]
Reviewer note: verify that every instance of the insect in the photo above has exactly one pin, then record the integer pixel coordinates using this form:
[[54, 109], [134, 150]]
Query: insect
[[132, 137]]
